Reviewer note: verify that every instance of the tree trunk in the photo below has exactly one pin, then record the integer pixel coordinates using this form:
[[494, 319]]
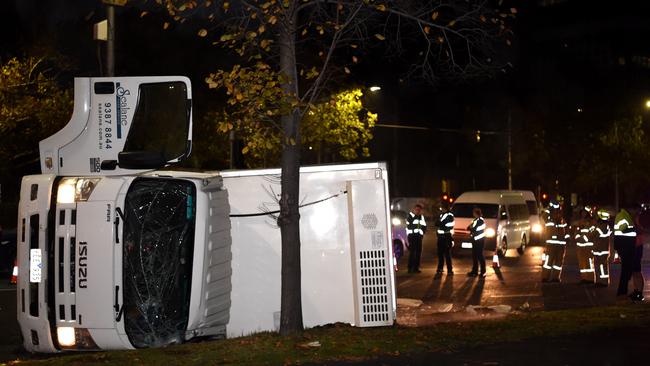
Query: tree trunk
[[289, 219]]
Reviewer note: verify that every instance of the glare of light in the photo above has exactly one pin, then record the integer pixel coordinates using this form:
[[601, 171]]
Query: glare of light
[[65, 336], [451, 200], [647, 103], [321, 222], [375, 88], [490, 233], [396, 221], [579, 110], [544, 196], [537, 228], [310, 148], [66, 192]]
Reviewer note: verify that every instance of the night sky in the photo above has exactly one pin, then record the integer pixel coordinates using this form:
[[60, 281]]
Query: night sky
[[575, 66]]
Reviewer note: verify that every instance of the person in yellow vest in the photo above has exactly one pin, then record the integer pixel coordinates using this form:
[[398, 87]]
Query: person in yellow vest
[[601, 238], [583, 228], [556, 238]]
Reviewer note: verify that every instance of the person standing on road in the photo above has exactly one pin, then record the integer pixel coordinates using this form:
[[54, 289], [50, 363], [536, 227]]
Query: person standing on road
[[555, 244], [642, 222], [445, 228], [416, 226], [601, 240], [624, 244], [477, 232], [584, 226]]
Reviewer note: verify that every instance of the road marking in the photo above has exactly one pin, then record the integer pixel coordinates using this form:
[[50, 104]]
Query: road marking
[[517, 295]]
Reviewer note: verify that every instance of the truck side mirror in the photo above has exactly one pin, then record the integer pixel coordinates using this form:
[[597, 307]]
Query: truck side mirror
[[108, 165]]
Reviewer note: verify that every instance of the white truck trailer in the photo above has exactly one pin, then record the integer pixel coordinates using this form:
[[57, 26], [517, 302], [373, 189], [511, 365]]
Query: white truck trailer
[[116, 253]]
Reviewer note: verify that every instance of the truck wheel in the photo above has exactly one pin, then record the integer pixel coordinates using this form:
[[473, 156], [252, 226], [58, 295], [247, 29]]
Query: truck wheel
[[522, 248]]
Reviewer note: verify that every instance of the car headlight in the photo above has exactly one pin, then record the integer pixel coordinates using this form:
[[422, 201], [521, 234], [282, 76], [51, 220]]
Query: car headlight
[[75, 338], [73, 190], [490, 233], [396, 221], [537, 228]]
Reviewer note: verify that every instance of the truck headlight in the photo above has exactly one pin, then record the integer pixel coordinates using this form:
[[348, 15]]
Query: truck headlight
[[396, 221], [490, 233], [537, 228], [73, 190], [66, 336], [75, 338]]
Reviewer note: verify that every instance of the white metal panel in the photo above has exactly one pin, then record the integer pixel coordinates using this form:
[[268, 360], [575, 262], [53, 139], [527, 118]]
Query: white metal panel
[[327, 277], [371, 253]]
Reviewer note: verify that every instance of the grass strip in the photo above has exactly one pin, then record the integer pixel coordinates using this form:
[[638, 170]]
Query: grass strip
[[342, 342]]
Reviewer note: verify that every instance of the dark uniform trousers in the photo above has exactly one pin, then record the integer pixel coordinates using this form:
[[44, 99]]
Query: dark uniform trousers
[[478, 257], [415, 251], [444, 252]]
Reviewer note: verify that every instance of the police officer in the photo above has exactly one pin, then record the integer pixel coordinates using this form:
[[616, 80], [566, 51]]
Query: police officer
[[477, 232], [556, 238], [582, 235], [415, 229], [445, 228], [602, 236], [624, 244]]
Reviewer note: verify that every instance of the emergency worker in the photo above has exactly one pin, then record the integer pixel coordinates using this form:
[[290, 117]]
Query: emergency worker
[[642, 222], [601, 239], [416, 226], [445, 229], [624, 244], [477, 232], [556, 238], [584, 226]]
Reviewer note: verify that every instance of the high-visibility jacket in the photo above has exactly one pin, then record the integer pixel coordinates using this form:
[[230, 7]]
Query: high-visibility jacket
[[582, 235], [445, 223], [601, 239], [624, 225], [415, 224], [556, 233], [477, 228]]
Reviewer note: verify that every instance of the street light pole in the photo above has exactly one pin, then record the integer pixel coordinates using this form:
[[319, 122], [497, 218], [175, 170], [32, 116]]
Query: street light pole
[[110, 42], [509, 150]]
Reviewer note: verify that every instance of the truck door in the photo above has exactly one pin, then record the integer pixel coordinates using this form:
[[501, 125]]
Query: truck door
[[121, 126]]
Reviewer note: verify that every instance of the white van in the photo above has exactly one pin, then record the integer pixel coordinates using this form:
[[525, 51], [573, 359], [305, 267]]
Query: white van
[[536, 226], [506, 216]]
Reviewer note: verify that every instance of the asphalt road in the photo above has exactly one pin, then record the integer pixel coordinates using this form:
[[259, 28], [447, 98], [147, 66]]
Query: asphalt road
[[517, 285]]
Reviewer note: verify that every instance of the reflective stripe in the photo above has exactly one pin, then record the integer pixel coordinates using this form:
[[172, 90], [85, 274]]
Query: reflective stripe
[[587, 244], [479, 236], [559, 268], [591, 264], [549, 224], [554, 237], [620, 233], [416, 222], [409, 231], [422, 222], [586, 238], [584, 230], [441, 231], [15, 271], [561, 225], [586, 270], [553, 241], [602, 234], [450, 224], [576, 236], [567, 236], [546, 266], [602, 272], [605, 252], [480, 228]]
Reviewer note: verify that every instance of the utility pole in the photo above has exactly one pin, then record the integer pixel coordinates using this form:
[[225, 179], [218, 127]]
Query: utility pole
[[110, 42], [509, 150]]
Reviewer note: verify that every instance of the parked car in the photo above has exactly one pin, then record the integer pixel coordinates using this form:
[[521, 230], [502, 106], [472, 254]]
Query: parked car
[[506, 216]]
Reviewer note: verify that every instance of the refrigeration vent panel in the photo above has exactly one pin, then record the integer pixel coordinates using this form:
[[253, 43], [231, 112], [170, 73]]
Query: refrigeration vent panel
[[375, 295]]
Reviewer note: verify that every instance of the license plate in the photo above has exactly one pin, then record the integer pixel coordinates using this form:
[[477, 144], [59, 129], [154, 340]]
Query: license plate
[[466, 245], [35, 265]]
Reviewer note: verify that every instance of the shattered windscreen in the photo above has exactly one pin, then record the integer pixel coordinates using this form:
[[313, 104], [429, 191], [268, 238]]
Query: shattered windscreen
[[158, 248]]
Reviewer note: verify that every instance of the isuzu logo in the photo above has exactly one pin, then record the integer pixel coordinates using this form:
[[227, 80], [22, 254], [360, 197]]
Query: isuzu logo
[[82, 281]]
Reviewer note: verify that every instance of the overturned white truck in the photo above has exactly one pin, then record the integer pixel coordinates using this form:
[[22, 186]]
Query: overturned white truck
[[115, 253]]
